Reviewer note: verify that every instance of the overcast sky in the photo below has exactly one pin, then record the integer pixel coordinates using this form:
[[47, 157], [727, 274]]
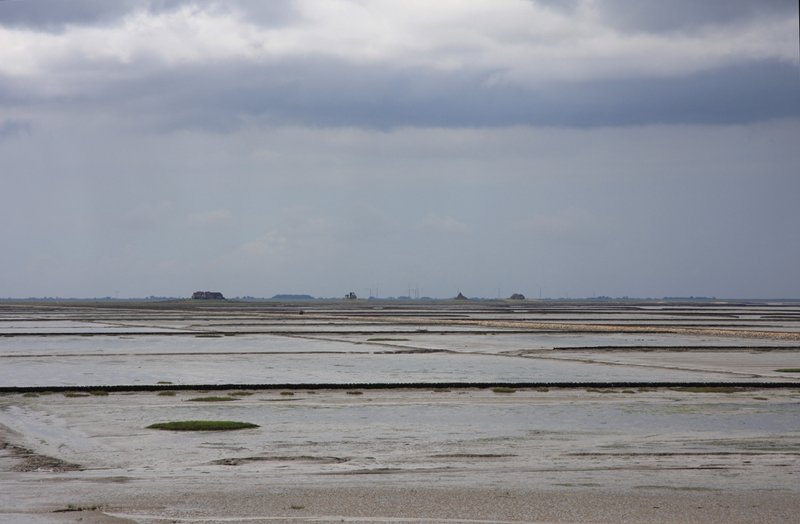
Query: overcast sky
[[585, 147]]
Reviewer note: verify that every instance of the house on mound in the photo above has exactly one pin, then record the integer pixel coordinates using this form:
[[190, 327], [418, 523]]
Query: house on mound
[[517, 296], [207, 295]]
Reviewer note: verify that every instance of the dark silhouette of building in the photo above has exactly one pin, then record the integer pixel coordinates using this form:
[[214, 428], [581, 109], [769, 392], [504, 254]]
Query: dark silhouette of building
[[207, 295]]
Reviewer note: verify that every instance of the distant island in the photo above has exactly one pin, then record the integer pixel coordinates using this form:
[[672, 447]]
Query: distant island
[[292, 297]]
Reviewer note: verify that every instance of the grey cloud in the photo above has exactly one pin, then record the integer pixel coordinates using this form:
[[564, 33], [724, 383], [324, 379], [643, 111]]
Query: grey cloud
[[12, 128], [322, 91], [563, 6], [327, 93], [54, 15], [737, 94], [265, 14], [685, 15]]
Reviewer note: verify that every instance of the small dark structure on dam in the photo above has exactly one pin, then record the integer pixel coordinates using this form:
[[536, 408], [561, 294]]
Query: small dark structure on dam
[[207, 295]]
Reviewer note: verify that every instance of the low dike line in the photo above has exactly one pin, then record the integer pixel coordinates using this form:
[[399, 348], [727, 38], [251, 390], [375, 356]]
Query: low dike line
[[397, 385]]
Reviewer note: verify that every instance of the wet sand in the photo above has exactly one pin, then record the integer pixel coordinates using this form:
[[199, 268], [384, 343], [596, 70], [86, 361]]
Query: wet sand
[[403, 455], [440, 505], [526, 456]]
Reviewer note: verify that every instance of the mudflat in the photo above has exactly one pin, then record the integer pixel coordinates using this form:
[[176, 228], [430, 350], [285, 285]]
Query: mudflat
[[721, 452]]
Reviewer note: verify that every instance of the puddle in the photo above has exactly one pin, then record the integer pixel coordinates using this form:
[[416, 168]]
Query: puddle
[[318, 368]]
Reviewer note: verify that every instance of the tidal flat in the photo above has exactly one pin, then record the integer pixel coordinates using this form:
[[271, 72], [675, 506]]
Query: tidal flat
[[649, 453]]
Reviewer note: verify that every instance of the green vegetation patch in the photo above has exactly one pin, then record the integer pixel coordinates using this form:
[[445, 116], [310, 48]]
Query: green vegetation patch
[[212, 399], [92, 393], [504, 389], [202, 425], [166, 393], [241, 393], [355, 392], [788, 370], [387, 339]]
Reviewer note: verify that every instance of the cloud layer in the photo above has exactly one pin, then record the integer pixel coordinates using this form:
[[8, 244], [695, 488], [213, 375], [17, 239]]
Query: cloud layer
[[384, 64], [619, 148]]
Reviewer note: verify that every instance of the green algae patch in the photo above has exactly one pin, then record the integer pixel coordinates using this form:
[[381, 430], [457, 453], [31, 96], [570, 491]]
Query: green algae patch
[[788, 370], [202, 425]]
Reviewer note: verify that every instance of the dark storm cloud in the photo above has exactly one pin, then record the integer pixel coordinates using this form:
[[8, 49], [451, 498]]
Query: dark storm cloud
[[686, 15], [346, 96], [736, 94], [329, 93]]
